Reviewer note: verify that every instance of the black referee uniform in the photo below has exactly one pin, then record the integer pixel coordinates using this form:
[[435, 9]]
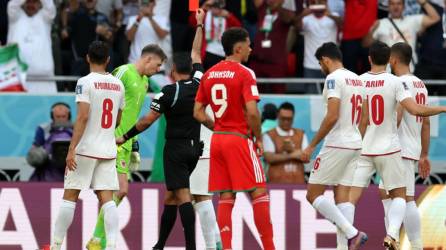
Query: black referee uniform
[[183, 148]]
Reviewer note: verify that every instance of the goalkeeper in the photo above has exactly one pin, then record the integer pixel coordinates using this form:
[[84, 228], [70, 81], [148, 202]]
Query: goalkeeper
[[136, 83]]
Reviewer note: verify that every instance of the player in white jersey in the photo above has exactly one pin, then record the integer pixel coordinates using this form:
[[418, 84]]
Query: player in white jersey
[[414, 135], [199, 188], [381, 150], [334, 164], [92, 152]]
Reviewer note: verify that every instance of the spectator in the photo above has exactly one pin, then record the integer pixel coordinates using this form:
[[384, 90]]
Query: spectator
[[432, 53], [30, 27], [3, 21], [359, 17], [112, 9], [269, 117], [86, 25], [145, 28], [318, 26], [269, 57], [385, 29], [53, 139], [283, 146], [245, 10], [122, 45], [217, 20], [162, 8]]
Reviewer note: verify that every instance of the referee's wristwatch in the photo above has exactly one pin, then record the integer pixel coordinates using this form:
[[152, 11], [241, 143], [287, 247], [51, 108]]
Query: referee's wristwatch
[[200, 26]]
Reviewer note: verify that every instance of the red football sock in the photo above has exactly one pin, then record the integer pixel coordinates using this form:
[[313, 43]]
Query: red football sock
[[224, 219], [262, 220]]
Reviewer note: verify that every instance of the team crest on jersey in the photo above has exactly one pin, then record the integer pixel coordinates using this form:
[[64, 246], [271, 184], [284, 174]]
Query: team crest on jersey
[[331, 84], [78, 89], [405, 86]]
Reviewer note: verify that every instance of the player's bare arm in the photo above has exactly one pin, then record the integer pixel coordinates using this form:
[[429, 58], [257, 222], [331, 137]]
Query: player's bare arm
[[253, 117], [198, 39], [83, 110], [329, 121], [144, 123], [364, 118], [424, 165], [421, 110], [201, 116]]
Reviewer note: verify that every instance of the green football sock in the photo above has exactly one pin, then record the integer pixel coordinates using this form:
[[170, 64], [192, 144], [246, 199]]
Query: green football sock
[[99, 231]]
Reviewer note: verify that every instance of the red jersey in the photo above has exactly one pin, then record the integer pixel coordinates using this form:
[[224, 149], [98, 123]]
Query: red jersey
[[227, 86]]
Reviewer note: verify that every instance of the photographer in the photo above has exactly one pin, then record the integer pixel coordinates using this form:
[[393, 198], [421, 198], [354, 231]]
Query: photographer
[[48, 152]]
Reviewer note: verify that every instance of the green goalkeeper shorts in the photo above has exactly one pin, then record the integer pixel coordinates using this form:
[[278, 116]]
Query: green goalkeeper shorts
[[123, 160]]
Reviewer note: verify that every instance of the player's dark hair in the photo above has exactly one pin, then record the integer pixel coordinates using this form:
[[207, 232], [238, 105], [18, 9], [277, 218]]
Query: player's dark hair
[[154, 49], [98, 52], [402, 51], [231, 37], [182, 62], [330, 50], [379, 53], [269, 112], [287, 106]]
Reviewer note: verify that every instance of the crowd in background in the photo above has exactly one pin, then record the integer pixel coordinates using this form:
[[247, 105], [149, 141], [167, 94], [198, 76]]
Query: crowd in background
[[53, 35]]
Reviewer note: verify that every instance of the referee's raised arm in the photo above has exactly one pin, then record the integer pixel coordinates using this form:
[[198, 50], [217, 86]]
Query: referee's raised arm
[[198, 40]]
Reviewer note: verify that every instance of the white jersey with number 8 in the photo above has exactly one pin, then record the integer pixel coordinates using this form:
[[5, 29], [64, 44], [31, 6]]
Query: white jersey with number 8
[[105, 94], [410, 128], [383, 92], [346, 86]]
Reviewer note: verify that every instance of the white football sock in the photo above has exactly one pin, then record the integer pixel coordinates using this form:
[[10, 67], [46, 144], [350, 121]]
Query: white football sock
[[397, 211], [111, 222], [329, 210], [386, 205], [348, 210], [208, 221], [63, 222], [412, 224]]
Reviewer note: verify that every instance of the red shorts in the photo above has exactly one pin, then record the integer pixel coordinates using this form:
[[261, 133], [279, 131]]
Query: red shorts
[[234, 165]]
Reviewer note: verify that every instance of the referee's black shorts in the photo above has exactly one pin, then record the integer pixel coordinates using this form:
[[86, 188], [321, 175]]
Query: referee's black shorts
[[180, 158]]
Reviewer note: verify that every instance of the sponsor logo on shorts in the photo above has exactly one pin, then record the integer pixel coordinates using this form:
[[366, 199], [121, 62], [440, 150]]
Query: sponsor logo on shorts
[[123, 164]]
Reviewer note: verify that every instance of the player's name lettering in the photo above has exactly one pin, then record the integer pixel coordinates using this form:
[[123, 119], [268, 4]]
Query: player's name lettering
[[418, 85], [374, 84], [107, 86], [353, 82], [221, 74]]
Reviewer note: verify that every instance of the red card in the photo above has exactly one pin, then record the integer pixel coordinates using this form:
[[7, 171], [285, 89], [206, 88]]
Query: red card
[[193, 5]]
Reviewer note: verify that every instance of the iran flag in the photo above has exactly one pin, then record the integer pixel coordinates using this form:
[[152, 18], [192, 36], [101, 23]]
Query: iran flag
[[12, 70]]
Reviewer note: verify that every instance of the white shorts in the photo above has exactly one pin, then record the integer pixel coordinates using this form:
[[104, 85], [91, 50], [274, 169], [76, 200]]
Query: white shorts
[[92, 173], [334, 166], [409, 167], [389, 167], [199, 179]]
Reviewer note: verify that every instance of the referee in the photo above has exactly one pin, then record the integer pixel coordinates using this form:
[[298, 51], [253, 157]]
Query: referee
[[183, 148]]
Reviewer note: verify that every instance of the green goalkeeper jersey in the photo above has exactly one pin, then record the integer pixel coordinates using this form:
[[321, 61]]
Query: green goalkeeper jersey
[[135, 91]]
